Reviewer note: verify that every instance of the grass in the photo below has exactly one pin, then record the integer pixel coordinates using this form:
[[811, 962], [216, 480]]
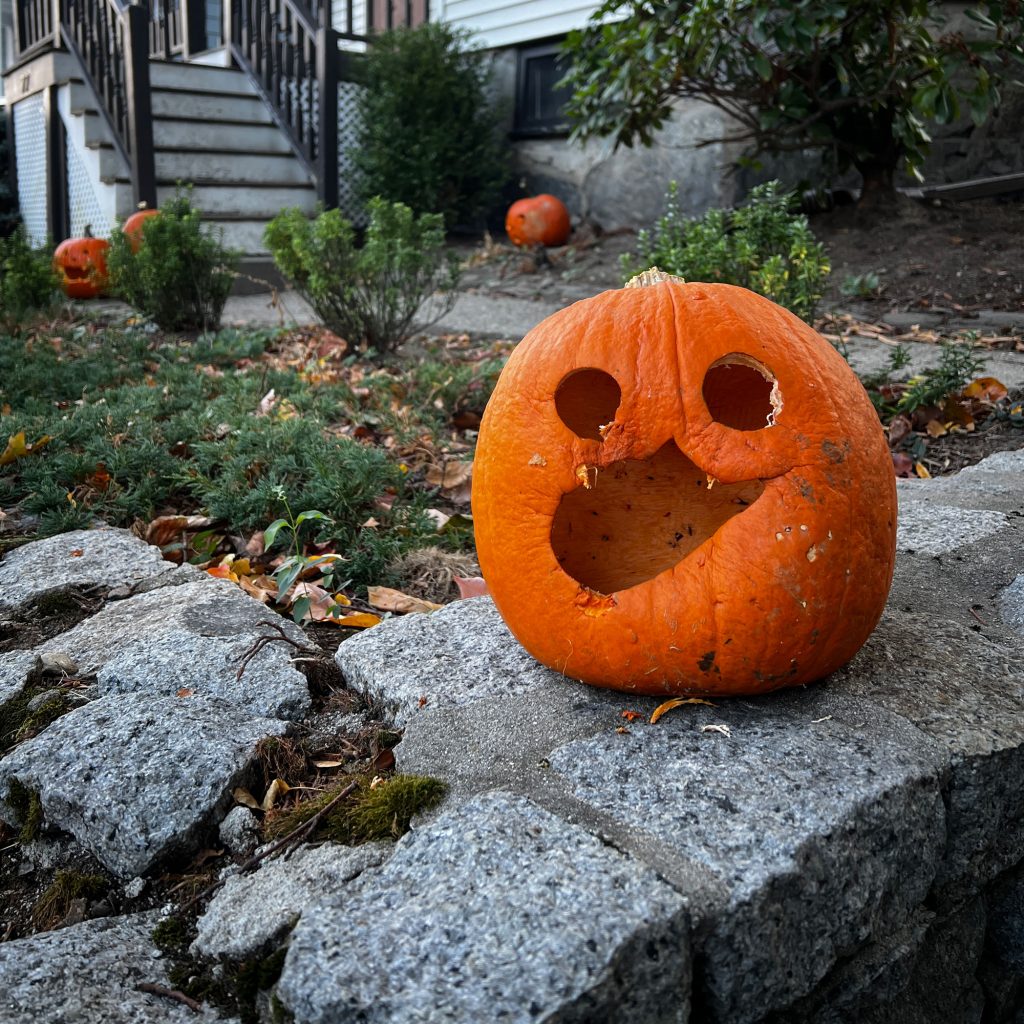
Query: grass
[[67, 886], [143, 425]]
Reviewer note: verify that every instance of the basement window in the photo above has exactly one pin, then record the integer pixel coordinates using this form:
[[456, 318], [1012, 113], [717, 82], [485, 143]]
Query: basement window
[[540, 102]]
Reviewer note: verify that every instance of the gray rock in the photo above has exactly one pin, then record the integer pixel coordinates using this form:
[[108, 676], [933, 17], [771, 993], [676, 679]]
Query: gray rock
[[109, 558], [137, 778], [240, 831], [1005, 903], [929, 529], [457, 655], [496, 911], [967, 693], [252, 912], [16, 669], [1011, 605], [193, 637], [89, 973], [994, 484], [821, 819]]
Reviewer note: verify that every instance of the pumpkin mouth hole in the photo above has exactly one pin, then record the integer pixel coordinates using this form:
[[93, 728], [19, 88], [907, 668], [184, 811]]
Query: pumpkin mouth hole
[[742, 393], [586, 401], [639, 517]]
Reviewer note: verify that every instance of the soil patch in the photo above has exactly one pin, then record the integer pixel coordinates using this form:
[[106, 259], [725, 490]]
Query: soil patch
[[934, 256]]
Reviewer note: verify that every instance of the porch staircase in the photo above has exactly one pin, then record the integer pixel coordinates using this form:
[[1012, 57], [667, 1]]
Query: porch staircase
[[211, 130]]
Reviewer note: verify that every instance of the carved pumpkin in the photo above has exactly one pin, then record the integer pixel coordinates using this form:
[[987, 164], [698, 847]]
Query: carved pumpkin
[[81, 264], [540, 220], [682, 488], [133, 227]]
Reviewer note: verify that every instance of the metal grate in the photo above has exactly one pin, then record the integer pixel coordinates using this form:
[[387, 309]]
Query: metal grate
[[349, 201], [83, 206], [30, 160]]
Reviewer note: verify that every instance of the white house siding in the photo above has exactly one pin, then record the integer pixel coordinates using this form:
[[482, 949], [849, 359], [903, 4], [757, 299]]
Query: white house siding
[[499, 23]]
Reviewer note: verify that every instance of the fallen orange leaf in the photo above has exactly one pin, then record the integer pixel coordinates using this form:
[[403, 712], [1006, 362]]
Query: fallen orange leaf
[[631, 716], [676, 702], [389, 600], [358, 620]]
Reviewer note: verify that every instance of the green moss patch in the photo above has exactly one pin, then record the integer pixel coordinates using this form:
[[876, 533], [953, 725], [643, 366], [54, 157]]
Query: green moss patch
[[28, 809], [67, 886], [381, 811]]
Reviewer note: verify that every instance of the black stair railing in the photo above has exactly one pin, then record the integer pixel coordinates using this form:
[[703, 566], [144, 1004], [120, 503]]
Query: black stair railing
[[110, 39], [177, 28], [293, 62]]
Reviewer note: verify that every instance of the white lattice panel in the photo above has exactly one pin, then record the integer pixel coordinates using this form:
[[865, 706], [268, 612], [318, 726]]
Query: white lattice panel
[[30, 160], [348, 131], [84, 207]]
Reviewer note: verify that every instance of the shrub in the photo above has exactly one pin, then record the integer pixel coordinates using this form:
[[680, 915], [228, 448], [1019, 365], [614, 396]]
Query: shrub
[[428, 134], [368, 294], [27, 280], [763, 246], [181, 276]]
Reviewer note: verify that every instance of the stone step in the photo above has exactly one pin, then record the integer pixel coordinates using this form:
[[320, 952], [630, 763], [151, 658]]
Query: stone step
[[202, 106], [219, 136], [175, 75], [219, 200], [236, 168]]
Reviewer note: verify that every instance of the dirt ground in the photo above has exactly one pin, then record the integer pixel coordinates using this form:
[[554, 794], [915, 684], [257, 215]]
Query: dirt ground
[[947, 258], [957, 257]]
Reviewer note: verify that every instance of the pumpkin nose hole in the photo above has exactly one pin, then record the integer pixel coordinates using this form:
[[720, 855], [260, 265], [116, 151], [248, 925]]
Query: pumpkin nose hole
[[586, 401], [742, 393]]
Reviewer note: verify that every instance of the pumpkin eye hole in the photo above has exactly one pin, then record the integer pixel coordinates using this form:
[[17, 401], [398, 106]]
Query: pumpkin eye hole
[[586, 401], [742, 393]]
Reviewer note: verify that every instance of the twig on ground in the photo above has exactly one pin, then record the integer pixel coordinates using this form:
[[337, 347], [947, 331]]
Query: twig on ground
[[170, 993], [296, 835], [264, 641]]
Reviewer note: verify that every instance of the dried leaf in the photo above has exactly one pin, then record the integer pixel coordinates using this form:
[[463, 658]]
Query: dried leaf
[[438, 517], [262, 587], [267, 403], [328, 764], [449, 475], [277, 789], [676, 702], [18, 448], [222, 572], [632, 716], [936, 428], [165, 529], [184, 692], [899, 428], [471, 586], [244, 797], [902, 464], [358, 620], [389, 600], [985, 389], [922, 471]]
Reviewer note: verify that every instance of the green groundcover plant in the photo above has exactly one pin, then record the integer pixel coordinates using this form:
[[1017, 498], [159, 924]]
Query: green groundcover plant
[[27, 280]]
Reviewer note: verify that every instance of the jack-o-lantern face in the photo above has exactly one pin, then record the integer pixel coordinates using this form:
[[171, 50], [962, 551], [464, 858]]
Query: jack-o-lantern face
[[684, 489], [81, 265]]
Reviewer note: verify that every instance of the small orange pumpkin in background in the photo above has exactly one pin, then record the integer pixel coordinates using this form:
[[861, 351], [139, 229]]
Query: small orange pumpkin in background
[[133, 227], [81, 264], [682, 488], [539, 220]]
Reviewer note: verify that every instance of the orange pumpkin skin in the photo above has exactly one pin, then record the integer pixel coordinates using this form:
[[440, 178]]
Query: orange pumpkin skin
[[133, 227], [81, 264], [790, 571], [540, 220]]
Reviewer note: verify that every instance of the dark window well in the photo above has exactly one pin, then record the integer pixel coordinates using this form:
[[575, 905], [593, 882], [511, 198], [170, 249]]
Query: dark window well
[[540, 105]]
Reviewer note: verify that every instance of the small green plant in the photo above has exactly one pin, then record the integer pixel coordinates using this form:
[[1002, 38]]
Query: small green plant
[[368, 294], [180, 276], [763, 245], [297, 563], [27, 280], [958, 365], [429, 134], [861, 286]]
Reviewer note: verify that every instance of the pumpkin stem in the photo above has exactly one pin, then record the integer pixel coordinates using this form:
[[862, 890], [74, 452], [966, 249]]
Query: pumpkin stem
[[653, 276], [88, 231]]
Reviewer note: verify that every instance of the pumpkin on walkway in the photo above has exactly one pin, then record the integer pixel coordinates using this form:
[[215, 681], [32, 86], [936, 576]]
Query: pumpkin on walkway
[[540, 220], [682, 488], [81, 265]]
